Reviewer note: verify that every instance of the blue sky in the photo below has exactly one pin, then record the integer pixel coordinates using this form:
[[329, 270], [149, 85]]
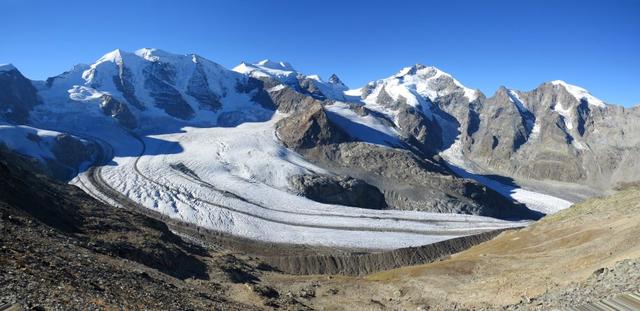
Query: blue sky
[[484, 44]]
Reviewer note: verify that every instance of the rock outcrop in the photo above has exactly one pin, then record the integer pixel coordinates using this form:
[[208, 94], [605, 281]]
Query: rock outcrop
[[341, 190], [17, 95], [114, 108]]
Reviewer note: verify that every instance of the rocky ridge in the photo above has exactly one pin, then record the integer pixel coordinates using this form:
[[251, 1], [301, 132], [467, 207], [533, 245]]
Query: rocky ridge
[[407, 181]]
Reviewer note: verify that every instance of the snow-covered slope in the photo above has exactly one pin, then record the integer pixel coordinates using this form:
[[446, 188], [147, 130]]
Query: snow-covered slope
[[149, 84]]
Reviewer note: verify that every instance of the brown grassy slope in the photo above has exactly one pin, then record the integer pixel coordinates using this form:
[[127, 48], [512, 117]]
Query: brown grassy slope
[[559, 249], [548, 255]]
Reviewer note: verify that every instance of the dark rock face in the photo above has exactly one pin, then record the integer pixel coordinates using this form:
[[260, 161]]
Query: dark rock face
[[123, 83], [114, 108], [384, 99], [198, 88], [335, 80], [584, 117], [502, 128], [411, 183], [308, 87], [17, 97], [422, 131], [159, 82], [366, 91], [70, 153], [288, 100], [259, 87], [274, 95], [341, 190]]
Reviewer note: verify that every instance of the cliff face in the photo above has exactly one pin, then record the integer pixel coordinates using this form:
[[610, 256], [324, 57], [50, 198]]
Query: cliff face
[[548, 133], [17, 95]]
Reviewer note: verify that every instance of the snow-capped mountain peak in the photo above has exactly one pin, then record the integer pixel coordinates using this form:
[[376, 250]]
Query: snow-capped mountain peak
[[7, 67], [436, 78], [150, 83], [334, 79], [423, 81], [267, 63], [579, 93], [154, 55], [119, 57], [114, 56], [412, 70], [150, 54], [282, 71]]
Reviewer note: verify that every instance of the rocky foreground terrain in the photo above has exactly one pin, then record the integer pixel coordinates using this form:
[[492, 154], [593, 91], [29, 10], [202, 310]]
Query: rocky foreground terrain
[[62, 250]]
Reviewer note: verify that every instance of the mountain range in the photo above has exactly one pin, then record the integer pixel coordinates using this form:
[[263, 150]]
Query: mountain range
[[265, 152]]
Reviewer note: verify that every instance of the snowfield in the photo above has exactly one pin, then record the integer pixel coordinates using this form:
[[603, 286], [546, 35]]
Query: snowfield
[[235, 180]]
